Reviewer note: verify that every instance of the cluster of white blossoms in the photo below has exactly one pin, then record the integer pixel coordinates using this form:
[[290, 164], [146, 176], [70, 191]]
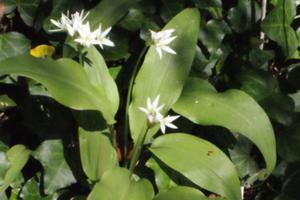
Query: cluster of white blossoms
[[162, 40], [155, 117], [74, 25]]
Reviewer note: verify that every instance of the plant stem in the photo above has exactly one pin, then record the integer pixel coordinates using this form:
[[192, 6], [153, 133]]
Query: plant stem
[[112, 135], [262, 17], [126, 126], [137, 150]]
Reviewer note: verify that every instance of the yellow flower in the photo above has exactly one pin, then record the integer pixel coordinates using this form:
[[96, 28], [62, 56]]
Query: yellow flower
[[42, 51]]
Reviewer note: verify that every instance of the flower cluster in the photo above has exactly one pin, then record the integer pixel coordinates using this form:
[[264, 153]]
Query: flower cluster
[[155, 117], [74, 25], [161, 40]]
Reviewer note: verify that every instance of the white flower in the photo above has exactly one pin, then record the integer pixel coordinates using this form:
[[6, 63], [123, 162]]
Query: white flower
[[155, 117], [242, 192], [76, 24], [153, 110], [161, 40], [86, 36], [167, 122], [102, 39], [62, 24]]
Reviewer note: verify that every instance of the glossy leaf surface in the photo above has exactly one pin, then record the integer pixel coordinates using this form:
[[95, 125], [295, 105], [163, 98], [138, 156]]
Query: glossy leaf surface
[[199, 161], [166, 76], [233, 109]]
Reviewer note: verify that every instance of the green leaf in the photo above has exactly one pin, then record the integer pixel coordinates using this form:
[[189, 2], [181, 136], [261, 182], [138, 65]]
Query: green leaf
[[279, 108], [258, 84], [27, 10], [97, 154], [288, 143], [108, 12], [65, 80], [181, 193], [232, 109], [277, 26], [170, 8], [4, 166], [99, 76], [242, 159], [31, 190], [18, 156], [133, 20], [213, 33], [162, 179], [115, 71], [200, 161], [166, 76], [13, 44], [117, 184], [6, 102], [57, 173], [212, 6], [243, 15]]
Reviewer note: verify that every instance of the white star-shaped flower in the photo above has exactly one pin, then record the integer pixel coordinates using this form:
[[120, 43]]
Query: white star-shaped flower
[[162, 40], [62, 24], [86, 36], [102, 39], [153, 110], [167, 122], [77, 20], [155, 117]]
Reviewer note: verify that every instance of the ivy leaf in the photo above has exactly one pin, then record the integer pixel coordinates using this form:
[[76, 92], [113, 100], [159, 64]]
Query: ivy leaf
[[203, 105], [13, 44], [57, 171], [4, 166], [277, 26], [18, 156], [27, 10], [200, 161], [31, 190]]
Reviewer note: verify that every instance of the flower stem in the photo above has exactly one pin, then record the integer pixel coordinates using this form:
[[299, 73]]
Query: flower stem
[[126, 126], [137, 150]]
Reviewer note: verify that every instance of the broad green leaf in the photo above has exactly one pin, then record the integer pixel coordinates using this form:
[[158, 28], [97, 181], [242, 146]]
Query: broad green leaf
[[108, 12], [6, 102], [277, 26], [233, 109], [31, 190], [65, 80], [100, 78], [27, 10], [18, 156], [166, 76], [117, 184], [97, 153], [200, 161], [57, 173], [13, 44], [162, 179], [182, 193]]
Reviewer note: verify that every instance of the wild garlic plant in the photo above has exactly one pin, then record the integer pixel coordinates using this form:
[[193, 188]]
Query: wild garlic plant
[[125, 127]]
